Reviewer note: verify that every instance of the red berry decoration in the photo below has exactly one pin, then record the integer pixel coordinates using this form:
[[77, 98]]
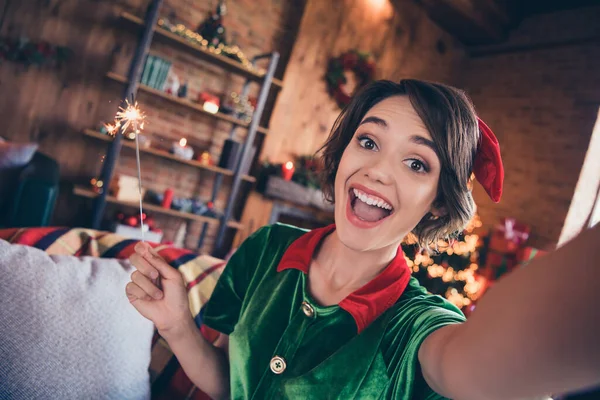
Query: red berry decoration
[[131, 221]]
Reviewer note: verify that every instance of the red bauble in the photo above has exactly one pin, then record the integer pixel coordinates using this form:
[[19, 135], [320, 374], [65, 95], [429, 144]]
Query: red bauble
[[131, 221], [150, 222]]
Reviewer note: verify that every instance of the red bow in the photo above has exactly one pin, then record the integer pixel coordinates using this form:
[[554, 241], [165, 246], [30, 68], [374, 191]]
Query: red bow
[[488, 167]]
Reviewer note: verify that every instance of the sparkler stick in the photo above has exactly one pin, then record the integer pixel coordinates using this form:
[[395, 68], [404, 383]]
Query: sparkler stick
[[132, 117]]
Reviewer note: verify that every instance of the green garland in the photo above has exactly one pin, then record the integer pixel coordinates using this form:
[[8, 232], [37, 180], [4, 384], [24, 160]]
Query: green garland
[[232, 52]]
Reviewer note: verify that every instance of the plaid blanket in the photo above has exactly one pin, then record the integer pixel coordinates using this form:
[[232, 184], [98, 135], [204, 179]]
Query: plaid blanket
[[200, 272]]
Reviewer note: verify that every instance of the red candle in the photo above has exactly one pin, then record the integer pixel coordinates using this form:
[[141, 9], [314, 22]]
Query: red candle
[[287, 170], [168, 198]]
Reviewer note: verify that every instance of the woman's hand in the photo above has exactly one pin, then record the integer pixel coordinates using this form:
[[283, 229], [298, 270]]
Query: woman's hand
[[167, 308]]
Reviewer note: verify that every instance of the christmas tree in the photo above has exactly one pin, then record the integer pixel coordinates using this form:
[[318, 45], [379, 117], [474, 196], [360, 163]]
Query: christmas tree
[[212, 28], [452, 272]]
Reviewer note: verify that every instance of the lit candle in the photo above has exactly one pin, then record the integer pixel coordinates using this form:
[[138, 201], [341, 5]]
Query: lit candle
[[210, 107], [287, 170]]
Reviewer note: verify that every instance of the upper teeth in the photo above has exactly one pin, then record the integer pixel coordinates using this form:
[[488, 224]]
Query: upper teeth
[[371, 200]]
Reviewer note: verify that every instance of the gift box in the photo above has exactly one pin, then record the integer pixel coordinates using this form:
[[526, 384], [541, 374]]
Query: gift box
[[505, 242], [526, 254]]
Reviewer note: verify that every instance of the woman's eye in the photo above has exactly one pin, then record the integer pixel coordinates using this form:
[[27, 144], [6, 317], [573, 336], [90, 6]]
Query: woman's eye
[[416, 165], [367, 143]]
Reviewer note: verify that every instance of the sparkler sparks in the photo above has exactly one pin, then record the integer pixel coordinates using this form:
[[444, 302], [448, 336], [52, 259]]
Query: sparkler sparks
[[112, 129], [130, 117]]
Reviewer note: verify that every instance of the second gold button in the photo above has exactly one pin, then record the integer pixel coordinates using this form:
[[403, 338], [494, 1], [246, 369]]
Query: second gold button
[[309, 311]]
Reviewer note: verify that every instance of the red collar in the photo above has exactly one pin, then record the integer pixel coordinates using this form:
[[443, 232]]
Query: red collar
[[366, 303]]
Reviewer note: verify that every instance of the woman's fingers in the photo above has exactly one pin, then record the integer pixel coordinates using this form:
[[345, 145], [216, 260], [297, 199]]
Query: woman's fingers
[[156, 261], [146, 285], [134, 292], [143, 266]]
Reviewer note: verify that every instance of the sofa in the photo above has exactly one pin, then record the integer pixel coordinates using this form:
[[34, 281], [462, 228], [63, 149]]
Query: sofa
[[29, 185], [67, 329]]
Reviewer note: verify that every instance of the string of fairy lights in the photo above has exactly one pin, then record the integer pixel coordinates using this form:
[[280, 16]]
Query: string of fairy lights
[[467, 247]]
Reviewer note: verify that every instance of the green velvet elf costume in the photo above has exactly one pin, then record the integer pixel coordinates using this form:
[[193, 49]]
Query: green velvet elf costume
[[283, 344]]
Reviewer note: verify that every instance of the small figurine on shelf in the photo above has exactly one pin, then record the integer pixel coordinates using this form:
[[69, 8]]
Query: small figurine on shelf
[[210, 212], [205, 158], [183, 90], [199, 207], [172, 84]]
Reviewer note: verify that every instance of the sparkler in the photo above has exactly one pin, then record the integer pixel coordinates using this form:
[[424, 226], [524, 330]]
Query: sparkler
[[131, 117]]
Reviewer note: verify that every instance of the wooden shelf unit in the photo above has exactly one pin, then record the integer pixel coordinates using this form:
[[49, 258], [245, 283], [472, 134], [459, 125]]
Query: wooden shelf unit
[[84, 192], [168, 156], [149, 30], [184, 103], [199, 51]]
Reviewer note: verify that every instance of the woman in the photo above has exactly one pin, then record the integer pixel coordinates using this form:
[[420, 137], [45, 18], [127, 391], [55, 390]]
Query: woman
[[334, 313]]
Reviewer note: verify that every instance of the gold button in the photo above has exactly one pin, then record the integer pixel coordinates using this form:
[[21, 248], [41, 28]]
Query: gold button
[[277, 365], [309, 311]]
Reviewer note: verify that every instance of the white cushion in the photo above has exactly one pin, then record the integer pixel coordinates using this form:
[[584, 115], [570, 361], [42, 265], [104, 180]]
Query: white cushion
[[67, 330]]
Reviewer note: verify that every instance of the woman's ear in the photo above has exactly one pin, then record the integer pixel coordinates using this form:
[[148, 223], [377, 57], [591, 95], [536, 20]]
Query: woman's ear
[[438, 212]]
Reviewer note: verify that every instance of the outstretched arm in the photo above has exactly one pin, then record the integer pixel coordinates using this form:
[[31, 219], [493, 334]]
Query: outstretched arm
[[536, 332]]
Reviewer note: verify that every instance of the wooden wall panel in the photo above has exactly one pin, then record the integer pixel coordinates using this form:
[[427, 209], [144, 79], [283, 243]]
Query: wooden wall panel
[[405, 43]]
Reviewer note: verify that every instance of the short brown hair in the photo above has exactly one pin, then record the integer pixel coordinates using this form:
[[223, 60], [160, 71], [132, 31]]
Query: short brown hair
[[450, 118]]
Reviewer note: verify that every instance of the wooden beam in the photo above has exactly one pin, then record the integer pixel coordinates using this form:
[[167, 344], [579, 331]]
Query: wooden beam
[[473, 22]]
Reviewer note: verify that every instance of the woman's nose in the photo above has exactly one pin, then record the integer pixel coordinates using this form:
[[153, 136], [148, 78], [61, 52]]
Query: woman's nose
[[380, 172]]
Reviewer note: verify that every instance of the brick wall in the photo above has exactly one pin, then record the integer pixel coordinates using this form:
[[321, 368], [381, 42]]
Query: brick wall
[[540, 93]]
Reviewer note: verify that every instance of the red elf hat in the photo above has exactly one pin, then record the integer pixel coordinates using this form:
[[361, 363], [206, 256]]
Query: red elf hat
[[487, 166]]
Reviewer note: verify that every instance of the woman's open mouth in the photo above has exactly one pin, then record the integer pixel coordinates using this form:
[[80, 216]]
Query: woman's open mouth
[[367, 210]]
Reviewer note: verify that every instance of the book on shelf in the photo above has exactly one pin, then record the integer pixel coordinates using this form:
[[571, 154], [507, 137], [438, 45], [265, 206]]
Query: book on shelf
[[155, 72]]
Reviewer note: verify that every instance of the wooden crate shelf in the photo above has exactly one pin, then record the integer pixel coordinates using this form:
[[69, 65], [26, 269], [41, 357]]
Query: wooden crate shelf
[[84, 192]]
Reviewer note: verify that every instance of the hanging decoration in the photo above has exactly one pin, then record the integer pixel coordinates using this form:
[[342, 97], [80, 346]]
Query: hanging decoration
[[27, 52], [361, 64]]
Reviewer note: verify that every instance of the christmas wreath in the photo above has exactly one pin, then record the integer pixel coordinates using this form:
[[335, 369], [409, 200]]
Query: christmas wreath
[[360, 63]]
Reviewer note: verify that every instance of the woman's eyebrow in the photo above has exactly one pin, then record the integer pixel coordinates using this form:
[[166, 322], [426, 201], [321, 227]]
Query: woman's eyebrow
[[423, 141], [374, 120]]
